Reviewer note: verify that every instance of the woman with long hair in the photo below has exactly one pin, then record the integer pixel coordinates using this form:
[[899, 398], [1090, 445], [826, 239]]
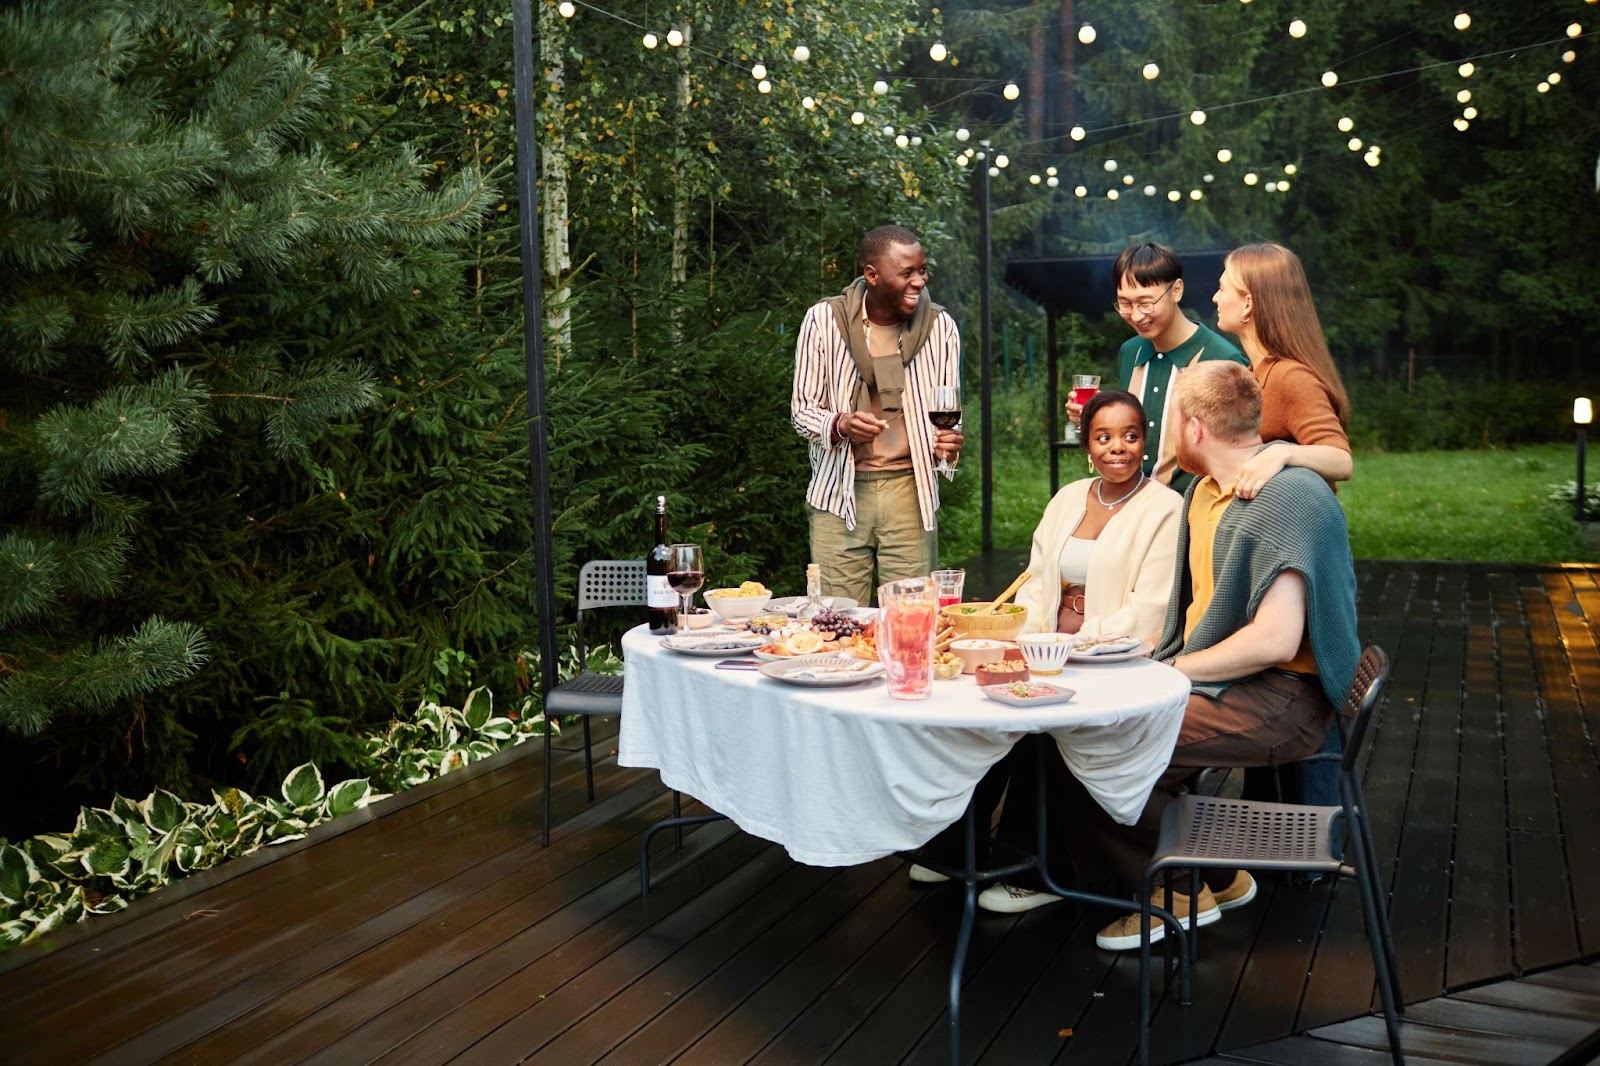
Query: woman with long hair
[[1265, 301]]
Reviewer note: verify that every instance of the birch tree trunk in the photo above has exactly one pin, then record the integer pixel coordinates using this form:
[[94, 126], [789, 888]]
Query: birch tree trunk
[[680, 187], [554, 241]]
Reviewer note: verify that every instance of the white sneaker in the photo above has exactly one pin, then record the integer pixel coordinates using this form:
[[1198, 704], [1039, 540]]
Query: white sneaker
[[923, 876], [1009, 899]]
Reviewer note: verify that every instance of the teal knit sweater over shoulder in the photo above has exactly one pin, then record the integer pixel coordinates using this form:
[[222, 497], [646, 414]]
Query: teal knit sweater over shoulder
[[1294, 523]]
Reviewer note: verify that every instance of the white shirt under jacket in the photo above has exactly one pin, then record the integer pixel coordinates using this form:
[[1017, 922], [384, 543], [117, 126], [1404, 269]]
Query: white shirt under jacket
[[1130, 571], [825, 385]]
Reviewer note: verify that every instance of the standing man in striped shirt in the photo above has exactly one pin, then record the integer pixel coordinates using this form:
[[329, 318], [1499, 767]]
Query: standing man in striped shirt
[[866, 364]]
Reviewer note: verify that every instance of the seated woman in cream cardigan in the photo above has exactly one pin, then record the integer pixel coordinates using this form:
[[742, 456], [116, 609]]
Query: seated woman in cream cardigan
[[1102, 564], [1103, 555]]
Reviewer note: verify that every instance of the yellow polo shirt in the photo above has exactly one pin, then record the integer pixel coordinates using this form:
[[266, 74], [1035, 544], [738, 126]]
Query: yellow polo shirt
[[1205, 514]]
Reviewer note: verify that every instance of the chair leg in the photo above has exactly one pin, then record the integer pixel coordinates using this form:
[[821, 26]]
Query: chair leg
[[677, 813], [545, 812], [588, 758], [1362, 840], [1382, 962], [1144, 970]]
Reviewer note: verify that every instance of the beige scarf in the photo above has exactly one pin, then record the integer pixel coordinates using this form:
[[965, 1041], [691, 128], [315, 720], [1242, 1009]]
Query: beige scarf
[[886, 373]]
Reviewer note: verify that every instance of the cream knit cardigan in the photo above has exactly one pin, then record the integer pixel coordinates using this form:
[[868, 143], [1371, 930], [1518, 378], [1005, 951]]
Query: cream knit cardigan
[[1131, 566]]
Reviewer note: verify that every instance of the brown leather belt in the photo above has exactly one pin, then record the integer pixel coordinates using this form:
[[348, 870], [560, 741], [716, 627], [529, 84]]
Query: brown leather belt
[[1071, 593]]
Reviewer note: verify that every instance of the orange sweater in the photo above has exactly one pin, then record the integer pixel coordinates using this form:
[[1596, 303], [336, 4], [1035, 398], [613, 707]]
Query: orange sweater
[[1296, 406]]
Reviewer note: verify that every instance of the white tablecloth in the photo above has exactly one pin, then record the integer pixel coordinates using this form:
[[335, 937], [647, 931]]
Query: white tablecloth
[[840, 776]]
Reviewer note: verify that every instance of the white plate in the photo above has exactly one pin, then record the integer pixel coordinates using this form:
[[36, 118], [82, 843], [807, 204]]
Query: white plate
[[1057, 694], [1081, 658], [745, 645], [851, 671], [790, 605]]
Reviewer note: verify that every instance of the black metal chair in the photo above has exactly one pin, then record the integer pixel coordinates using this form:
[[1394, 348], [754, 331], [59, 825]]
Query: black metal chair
[[1210, 832], [601, 583]]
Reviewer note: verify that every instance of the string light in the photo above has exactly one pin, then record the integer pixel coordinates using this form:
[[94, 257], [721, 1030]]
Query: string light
[[764, 86], [1371, 159], [902, 141], [1208, 178], [962, 134], [809, 103], [1329, 79], [1011, 92], [1080, 191], [1174, 195], [1224, 155], [1568, 56], [1151, 72], [1086, 34], [1002, 161], [1149, 190], [1034, 179], [1470, 113], [1466, 70], [675, 37], [1111, 166], [916, 141], [880, 87], [758, 71], [1463, 21], [1112, 194], [1283, 186], [961, 160], [1127, 179], [1574, 30], [1289, 168], [994, 172], [1052, 181], [857, 118], [1251, 179], [1462, 124], [1346, 124], [1077, 133], [1297, 28], [888, 131], [1195, 194], [1197, 117], [567, 8], [1463, 96], [1051, 171], [801, 53], [1554, 77], [1543, 87], [938, 52], [650, 40], [1354, 144]]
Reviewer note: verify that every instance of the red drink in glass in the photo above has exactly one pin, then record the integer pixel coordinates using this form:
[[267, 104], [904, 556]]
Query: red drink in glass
[[945, 601], [906, 624], [1083, 396]]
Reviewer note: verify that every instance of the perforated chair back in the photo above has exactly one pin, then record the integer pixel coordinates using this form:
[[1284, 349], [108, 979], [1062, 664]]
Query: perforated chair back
[[608, 583], [1372, 673]]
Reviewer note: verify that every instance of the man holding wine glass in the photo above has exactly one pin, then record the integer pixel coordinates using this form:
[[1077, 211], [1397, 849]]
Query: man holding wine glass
[[877, 397], [1149, 281]]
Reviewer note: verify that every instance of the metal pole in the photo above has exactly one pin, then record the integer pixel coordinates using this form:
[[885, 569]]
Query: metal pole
[[1052, 400], [533, 351], [1578, 498], [986, 373]]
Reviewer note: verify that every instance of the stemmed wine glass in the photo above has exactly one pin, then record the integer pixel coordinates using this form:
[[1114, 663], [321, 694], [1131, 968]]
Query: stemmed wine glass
[[946, 414], [685, 574]]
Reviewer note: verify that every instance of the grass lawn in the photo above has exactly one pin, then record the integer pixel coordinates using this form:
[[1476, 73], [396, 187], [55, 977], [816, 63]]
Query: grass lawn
[[1477, 506]]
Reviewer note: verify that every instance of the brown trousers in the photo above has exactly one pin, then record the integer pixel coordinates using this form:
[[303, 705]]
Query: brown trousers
[[1265, 720]]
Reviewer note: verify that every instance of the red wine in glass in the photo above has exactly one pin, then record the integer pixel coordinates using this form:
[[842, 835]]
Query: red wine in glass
[[686, 572], [945, 413], [686, 582], [945, 419]]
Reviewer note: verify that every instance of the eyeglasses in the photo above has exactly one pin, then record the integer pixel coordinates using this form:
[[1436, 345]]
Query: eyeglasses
[[1143, 307]]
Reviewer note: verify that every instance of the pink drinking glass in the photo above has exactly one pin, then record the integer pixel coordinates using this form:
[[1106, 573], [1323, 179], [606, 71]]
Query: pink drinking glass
[[907, 618]]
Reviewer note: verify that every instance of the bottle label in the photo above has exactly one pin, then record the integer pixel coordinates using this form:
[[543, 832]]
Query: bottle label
[[659, 593]]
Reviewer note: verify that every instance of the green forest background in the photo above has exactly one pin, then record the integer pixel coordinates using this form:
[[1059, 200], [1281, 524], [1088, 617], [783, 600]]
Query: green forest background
[[263, 416]]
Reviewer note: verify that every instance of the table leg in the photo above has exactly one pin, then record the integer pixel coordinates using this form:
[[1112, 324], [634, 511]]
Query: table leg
[[676, 825]]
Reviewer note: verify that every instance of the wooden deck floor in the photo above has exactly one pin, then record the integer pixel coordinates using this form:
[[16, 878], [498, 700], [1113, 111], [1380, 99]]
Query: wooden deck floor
[[434, 928]]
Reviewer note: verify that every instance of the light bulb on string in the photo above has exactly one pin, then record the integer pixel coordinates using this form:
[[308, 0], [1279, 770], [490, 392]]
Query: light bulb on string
[[857, 118], [1195, 194], [1251, 178], [567, 8], [1174, 195], [1086, 34], [1208, 178], [675, 37], [1574, 30], [962, 134], [758, 71], [1346, 124], [763, 86], [1151, 72], [1034, 179], [1077, 133], [1149, 190], [1051, 171], [1002, 161], [809, 103], [1371, 160], [1462, 21], [1011, 92], [1111, 166], [1463, 96], [1197, 117], [1354, 144], [961, 160], [1283, 186], [651, 40], [938, 52], [1052, 181], [1568, 56], [1297, 28], [1270, 186], [902, 141], [1224, 155], [1127, 179], [1543, 86], [1080, 191], [880, 87], [1461, 124], [801, 53], [1469, 113], [994, 172], [1329, 79], [1466, 70], [888, 131], [1554, 77], [916, 141], [1112, 194], [1289, 168]]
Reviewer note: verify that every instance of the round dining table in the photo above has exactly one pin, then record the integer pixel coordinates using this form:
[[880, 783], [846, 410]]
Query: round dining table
[[845, 775]]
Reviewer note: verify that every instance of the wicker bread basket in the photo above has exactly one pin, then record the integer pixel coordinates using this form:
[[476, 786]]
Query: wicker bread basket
[[1002, 626]]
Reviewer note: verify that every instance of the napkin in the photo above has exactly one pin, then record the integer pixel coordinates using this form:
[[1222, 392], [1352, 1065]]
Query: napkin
[[836, 668], [714, 642]]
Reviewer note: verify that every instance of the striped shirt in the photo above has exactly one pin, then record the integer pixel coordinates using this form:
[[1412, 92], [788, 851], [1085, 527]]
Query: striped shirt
[[825, 380]]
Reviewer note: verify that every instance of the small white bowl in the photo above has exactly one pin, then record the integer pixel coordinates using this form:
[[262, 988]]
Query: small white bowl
[[1045, 653], [974, 652], [736, 606], [698, 618]]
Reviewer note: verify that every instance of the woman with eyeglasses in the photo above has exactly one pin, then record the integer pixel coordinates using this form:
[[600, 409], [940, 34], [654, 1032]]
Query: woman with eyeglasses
[[1265, 301]]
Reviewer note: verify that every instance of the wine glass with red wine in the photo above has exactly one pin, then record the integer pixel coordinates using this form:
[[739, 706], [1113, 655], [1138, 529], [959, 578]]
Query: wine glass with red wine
[[685, 574], [946, 414]]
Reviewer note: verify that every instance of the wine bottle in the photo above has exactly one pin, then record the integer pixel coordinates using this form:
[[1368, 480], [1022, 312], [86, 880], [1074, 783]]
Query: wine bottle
[[662, 600]]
